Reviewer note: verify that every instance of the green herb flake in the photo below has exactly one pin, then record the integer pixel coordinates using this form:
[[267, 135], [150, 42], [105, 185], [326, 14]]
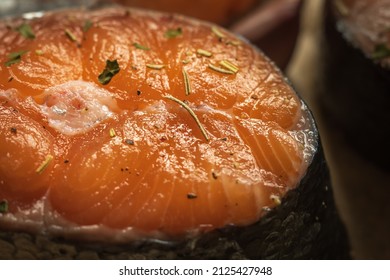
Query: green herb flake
[[3, 206], [112, 68], [44, 164], [173, 33], [155, 66], [87, 25], [141, 47], [381, 51], [14, 58], [191, 112], [204, 52], [26, 31]]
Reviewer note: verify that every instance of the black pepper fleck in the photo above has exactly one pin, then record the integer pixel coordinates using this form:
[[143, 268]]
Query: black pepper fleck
[[13, 130], [191, 196], [214, 175], [129, 142], [138, 92], [66, 161]]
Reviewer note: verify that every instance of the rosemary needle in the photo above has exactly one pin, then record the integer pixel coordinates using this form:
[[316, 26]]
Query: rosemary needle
[[192, 113], [220, 70], [187, 83], [44, 164]]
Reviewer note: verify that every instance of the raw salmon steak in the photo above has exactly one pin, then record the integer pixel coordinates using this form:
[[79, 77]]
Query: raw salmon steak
[[123, 123]]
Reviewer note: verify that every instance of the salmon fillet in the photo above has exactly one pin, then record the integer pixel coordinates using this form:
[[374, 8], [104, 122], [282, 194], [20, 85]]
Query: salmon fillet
[[129, 122]]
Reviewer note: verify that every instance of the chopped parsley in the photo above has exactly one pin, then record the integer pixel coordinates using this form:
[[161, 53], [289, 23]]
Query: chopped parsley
[[381, 51], [14, 58], [112, 68], [3, 206], [26, 31], [141, 47], [173, 33], [87, 25]]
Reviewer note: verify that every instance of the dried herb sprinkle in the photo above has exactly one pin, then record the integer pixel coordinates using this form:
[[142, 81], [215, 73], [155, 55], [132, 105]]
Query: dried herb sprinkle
[[14, 58], [3, 206], [220, 70], [44, 164], [187, 83], [217, 32], [155, 66], [204, 52], [192, 113], [112, 133], [70, 35], [173, 33], [87, 25], [26, 31], [141, 47], [228, 65], [112, 68]]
